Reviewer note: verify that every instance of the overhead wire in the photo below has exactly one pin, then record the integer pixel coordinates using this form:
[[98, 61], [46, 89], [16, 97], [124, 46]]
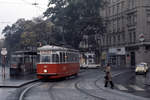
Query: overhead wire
[[26, 2], [5, 22], [33, 4], [5, 2]]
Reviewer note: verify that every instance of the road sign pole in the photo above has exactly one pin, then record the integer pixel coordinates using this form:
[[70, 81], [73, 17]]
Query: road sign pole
[[3, 53], [4, 67]]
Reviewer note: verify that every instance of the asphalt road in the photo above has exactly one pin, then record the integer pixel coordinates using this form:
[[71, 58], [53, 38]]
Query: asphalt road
[[79, 88], [134, 84]]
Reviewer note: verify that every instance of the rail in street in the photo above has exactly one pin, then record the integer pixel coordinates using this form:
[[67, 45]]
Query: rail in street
[[89, 85]]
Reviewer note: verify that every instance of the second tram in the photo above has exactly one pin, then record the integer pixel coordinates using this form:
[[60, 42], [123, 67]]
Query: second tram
[[57, 62]]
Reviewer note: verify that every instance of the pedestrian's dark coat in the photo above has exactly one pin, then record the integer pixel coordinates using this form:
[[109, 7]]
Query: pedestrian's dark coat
[[108, 76]]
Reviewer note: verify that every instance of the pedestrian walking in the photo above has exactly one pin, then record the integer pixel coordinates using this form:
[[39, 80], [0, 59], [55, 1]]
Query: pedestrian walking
[[108, 77]]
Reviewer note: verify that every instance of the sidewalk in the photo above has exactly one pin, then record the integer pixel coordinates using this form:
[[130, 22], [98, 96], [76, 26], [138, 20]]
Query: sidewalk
[[148, 78], [15, 82]]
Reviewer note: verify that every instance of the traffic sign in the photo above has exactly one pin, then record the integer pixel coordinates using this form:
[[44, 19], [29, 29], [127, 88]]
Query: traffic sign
[[141, 37], [3, 51]]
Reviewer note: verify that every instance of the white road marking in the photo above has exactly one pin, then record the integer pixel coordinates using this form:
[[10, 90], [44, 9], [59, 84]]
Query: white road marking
[[136, 88], [121, 87]]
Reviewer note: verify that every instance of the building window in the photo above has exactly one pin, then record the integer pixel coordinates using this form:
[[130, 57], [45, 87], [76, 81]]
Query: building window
[[134, 19], [148, 17], [122, 6], [123, 37], [134, 37], [110, 40], [131, 19], [130, 37], [118, 8], [113, 12], [118, 39], [107, 40], [114, 40], [131, 4]]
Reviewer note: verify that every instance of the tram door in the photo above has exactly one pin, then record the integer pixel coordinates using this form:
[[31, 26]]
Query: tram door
[[132, 58]]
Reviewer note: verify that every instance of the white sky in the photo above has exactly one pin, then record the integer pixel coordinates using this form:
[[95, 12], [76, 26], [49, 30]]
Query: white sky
[[11, 10]]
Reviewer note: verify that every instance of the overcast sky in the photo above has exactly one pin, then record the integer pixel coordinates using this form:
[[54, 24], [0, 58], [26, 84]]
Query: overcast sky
[[11, 10]]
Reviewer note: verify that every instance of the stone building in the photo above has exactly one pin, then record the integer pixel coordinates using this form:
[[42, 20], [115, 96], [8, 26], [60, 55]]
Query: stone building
[[127, 39]]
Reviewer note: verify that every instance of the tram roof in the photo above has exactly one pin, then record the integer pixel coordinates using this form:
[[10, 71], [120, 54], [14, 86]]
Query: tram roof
[[57, 48]]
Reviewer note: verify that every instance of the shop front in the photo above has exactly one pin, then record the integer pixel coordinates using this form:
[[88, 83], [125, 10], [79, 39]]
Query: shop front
[[117, 57]]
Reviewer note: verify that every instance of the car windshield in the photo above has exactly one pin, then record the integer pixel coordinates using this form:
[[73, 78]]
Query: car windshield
[[141, 65]]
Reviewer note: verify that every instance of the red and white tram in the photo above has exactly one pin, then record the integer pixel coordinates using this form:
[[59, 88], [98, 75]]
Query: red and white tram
[[57, 62]]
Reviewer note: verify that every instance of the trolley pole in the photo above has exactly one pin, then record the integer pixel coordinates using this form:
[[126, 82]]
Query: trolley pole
[[3, 53]]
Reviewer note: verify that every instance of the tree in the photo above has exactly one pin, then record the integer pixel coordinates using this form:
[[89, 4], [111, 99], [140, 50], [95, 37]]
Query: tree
[[12, 34], [76, 17], [28, 33]]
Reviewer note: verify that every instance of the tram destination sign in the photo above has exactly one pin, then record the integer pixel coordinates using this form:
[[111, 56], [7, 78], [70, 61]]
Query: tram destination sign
[[45, 52]]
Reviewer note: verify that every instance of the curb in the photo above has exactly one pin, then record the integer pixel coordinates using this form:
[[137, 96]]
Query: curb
[[23, 84], [147, 84]]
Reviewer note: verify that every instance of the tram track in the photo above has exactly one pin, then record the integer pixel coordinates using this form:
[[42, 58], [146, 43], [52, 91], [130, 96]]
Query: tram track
[[32, 85], [50, 91], [85, 92], [97, 97], [77, 86], [106, 90], [24, 93]]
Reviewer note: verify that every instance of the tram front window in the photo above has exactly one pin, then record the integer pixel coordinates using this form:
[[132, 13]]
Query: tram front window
[[45, 59], [50, 58]]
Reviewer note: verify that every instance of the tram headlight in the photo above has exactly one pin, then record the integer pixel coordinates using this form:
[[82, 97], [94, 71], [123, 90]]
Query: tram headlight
[[45, 71]]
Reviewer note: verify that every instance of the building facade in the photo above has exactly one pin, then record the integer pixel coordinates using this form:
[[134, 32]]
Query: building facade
[[127, 38]]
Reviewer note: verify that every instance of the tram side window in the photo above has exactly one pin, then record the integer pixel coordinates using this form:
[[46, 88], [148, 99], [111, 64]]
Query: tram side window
[[70, 57], [61, 57], [64, 57], [55, 58], [14, 59], [26, 59], [38, 58], [74, 57]]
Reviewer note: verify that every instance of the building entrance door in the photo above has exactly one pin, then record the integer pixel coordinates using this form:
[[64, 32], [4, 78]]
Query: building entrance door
[[132, 58]]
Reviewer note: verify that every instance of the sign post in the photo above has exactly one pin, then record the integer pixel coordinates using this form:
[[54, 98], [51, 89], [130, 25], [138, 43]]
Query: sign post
[[3, 53]]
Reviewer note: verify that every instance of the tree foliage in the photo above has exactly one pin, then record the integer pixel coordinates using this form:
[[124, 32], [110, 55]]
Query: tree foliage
[[28, 33], [76, 17], [67, 22]]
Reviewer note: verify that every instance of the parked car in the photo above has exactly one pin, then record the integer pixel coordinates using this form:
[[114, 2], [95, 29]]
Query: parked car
[[146, 65], [141, 68]]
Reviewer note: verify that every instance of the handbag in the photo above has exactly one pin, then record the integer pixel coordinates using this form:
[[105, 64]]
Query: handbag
[[106, 77]]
